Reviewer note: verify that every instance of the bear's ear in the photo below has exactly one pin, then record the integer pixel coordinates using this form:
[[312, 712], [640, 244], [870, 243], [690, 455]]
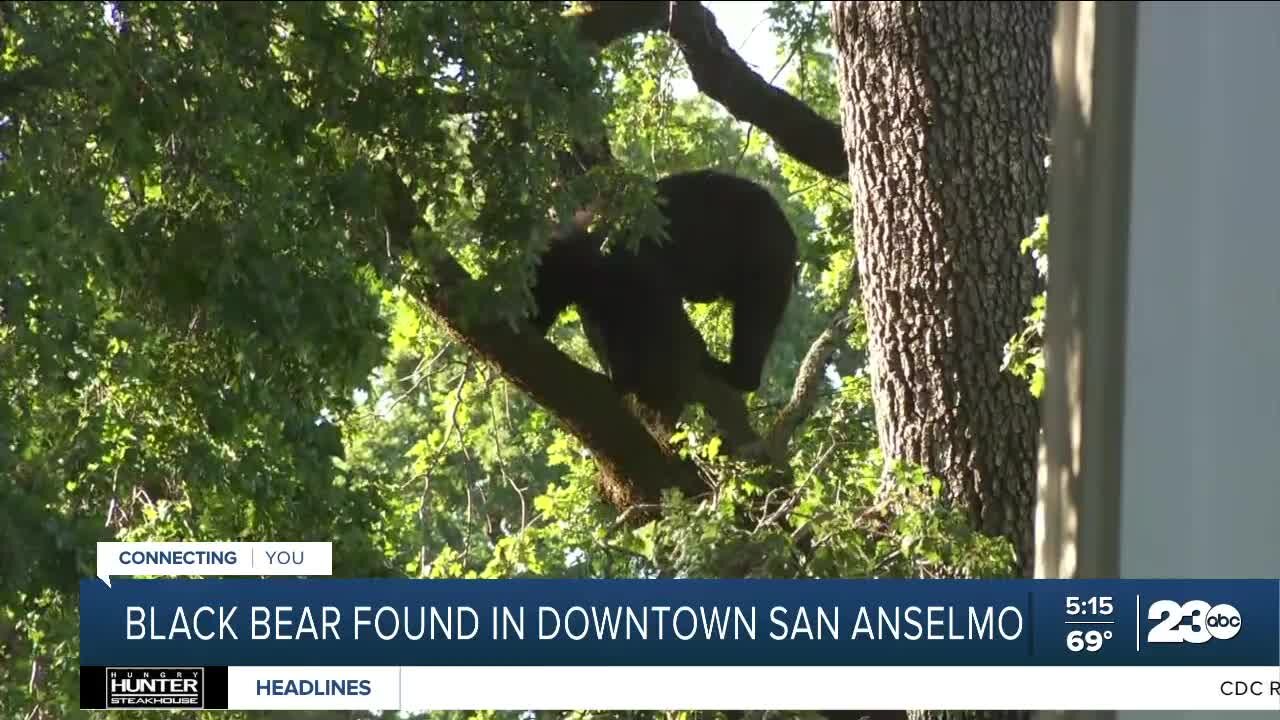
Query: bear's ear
[[575, 238], [584, 217], [578, 228]]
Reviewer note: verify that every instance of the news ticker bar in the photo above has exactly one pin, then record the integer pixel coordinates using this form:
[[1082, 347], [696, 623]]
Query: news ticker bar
[[684, 688], [287, 622]]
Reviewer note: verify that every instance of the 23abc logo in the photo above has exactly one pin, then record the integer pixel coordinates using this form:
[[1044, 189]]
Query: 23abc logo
[[1192, 622]]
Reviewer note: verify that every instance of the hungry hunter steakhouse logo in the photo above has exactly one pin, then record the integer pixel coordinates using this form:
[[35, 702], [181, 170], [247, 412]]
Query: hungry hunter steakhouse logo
[[143, 687]]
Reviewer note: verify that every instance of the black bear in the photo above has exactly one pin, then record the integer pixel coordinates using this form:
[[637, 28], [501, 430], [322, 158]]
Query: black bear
[[649, 344], [639, 330], [728, 239]]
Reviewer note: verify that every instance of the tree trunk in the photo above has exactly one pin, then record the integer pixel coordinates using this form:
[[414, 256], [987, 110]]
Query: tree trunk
[[945, 114]]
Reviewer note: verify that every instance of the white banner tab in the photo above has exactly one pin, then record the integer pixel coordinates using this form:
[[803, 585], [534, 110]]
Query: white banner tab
[[373, 689], [819, 688], [213, 558]]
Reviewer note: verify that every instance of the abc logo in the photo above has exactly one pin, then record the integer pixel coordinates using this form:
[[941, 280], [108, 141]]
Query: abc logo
[[1192, 622]]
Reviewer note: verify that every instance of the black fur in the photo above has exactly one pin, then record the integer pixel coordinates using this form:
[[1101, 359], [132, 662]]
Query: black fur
[[728, 240], [649, 344]]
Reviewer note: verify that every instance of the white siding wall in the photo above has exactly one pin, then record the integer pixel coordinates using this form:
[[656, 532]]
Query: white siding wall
[[1201, 492], [1201, 478]]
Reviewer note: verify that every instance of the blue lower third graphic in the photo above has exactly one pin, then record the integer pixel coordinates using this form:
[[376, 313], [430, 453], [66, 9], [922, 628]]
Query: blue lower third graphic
[[300, 622]]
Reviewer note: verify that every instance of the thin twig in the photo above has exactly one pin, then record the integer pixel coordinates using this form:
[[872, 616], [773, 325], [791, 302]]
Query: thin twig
[[420, 372], [426, 477], [502, 465], [746, 143]]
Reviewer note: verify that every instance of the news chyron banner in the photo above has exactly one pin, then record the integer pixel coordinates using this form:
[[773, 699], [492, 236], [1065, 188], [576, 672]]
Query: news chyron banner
[[297, 641]]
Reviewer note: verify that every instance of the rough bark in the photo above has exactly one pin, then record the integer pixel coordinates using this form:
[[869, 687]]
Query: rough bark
[[945, 114]]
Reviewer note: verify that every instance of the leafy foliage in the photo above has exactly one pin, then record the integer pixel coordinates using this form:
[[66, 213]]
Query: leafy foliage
[[1024, 353]]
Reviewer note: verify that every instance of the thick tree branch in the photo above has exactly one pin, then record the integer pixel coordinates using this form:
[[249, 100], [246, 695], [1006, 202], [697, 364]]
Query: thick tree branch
[[602, 23], [722, 75], [635, 466]]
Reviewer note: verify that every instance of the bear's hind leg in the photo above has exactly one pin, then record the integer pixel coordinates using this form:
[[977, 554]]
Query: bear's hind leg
[[756, 318]]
